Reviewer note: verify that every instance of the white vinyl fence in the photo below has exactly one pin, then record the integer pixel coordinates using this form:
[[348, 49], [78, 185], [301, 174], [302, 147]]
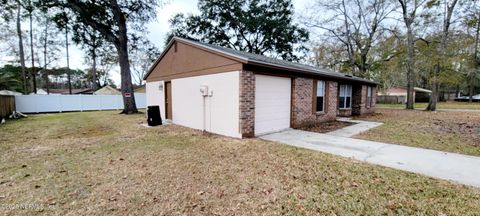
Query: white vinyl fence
[[62, 103]]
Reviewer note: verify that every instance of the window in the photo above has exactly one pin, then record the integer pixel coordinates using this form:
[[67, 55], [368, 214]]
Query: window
[[369, 96], [345, 100], [320, 99]]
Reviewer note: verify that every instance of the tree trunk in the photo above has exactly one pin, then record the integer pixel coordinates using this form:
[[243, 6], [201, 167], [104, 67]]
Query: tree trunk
[[45, 57], [126, 83], [432, 105], [410, 66], [69, 78], [20, 48], [34, 76], [476, 60], [94, 72], [94, 67]]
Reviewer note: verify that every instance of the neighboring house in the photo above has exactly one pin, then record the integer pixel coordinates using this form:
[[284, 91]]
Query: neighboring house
[[40, 92], [139, 89], [107, 90], [7, 92], [74, 91], [419, 94], [240, 94]]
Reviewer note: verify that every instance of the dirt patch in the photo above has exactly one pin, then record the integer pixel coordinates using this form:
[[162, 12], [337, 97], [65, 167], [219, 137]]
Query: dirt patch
[[326, 127]]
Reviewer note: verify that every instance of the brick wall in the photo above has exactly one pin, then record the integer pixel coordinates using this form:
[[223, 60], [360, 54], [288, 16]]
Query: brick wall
[[302, 102], [359, 100], [247, 104]]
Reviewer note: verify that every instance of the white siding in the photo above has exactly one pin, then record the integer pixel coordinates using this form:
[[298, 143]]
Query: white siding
[[272, 104], [155, 95], [221, 109]]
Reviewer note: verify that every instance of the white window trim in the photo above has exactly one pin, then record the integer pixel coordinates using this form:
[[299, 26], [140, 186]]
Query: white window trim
[[345, 96], [316, 96], [369, 97]]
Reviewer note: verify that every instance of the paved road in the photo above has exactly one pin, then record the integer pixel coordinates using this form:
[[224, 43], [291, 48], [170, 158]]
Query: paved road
[[463, 169]]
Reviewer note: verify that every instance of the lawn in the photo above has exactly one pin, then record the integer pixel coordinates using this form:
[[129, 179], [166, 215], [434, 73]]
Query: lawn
[[440, 105], [457, 132], [104, 163]]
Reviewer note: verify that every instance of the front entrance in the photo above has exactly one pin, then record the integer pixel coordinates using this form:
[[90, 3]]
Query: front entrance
[[168, 100]]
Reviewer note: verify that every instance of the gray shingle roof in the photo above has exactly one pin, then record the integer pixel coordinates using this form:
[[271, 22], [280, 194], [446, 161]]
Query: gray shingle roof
[[255, 59], [268, 61]]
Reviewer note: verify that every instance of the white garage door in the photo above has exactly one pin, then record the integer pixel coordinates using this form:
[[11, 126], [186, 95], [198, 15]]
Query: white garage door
[[272, 104]]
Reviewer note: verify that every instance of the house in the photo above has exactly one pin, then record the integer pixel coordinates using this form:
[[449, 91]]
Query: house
[[107, 90], [139, 89], [7, 92], [400, 95], [74, 91], [239, 94], [40, 92]]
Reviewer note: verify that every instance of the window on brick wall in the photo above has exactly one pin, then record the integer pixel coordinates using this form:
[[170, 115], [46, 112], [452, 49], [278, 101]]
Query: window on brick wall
[[320, 96], [369, 96], [345, 99]]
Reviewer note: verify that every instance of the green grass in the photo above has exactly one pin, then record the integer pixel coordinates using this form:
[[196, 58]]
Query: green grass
[[103, 163], [440, 105], [457, 132]]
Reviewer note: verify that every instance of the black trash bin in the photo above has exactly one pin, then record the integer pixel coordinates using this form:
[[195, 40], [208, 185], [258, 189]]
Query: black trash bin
[[154, 117]]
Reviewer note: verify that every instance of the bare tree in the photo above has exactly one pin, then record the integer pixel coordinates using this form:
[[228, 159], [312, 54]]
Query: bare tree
[[409, 9], [20, 46], [143, 55], [358, 25], [476, 57], [450, 7]]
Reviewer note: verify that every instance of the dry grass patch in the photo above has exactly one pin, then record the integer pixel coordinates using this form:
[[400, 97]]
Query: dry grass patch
[[170, 170], [440, 105], [446, 131]]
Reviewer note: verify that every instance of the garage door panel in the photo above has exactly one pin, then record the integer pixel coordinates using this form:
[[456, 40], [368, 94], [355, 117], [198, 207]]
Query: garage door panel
[[272, 103]]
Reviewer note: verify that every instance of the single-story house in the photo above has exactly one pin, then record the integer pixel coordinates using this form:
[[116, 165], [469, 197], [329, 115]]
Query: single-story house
[[107, 90], [240, 94], [419, 94]]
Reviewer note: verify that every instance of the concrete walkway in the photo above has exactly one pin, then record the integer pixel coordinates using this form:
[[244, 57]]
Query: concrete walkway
[[463, 169], [358, 127]]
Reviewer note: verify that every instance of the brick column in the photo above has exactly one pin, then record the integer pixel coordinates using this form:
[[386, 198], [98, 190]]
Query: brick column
[[247, 104], [359, 99]]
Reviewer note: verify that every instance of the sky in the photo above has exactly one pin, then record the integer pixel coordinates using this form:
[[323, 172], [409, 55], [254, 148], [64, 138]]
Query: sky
[[157, 31], [159, 28]]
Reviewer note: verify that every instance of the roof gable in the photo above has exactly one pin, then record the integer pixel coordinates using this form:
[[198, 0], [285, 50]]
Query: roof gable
[[255, 59], [182, 58]]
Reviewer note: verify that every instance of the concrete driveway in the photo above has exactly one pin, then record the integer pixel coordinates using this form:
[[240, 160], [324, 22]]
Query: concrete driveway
[[460, 168]]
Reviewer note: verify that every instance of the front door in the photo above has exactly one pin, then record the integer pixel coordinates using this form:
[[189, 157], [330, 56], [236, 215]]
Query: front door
[[168, 100]]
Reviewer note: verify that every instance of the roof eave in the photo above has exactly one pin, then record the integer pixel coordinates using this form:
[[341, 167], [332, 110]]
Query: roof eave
[[311, 72]]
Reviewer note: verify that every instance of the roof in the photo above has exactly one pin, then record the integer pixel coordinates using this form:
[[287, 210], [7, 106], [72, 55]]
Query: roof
[[107, 90], [74, 91], [260, 60], [417, 89], [7, 92]]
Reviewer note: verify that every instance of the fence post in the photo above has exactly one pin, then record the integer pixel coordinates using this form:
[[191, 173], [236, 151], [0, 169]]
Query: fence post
[[60, 104]]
